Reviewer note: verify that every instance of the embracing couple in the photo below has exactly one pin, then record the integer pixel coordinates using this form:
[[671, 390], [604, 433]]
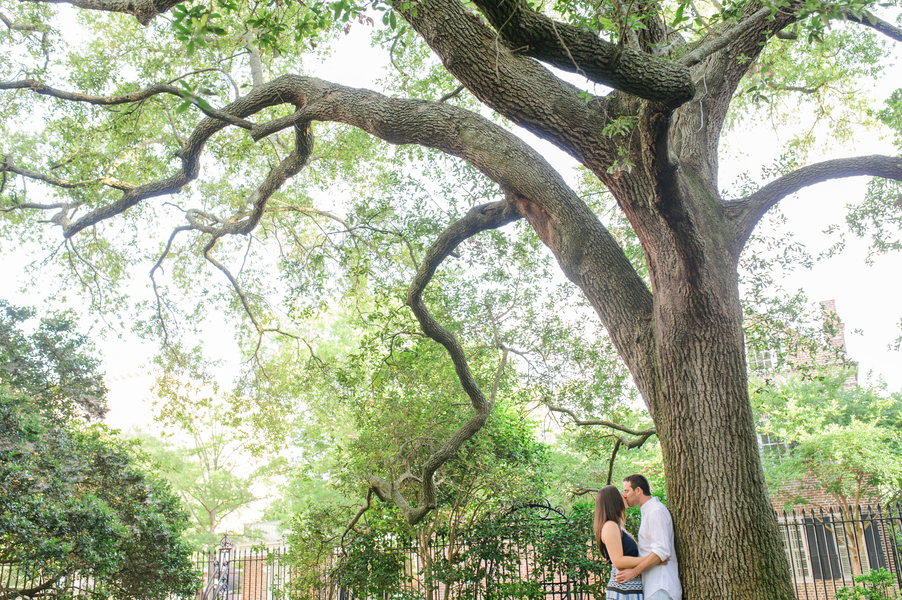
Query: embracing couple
[[653, 557]]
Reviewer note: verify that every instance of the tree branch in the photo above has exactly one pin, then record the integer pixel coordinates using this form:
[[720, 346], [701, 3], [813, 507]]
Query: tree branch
[[112, 182], [642, 435], [869, 19], [13, 26], [656, 37], [587, 252], [719, 66], [617, 443], [578, 50], [268, 95], [156, 291], [725, 39], [453, 93], [28, 28], [480, 218], [352, 526], [30, 592], [148, 92], [747, 212], [289, 167], [599, 422], [143, 10], [243, 224]]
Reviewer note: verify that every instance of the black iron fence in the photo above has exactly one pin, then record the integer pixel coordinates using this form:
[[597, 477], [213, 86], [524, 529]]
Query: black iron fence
[[242, 574], [825, 549]]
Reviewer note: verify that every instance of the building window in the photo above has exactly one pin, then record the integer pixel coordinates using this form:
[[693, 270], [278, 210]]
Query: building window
[[796, 553], [832, 550], [765, 360], [772, 447], [818, 547]]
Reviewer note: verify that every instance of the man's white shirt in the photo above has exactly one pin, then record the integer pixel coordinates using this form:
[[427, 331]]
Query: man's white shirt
[[656, 535]]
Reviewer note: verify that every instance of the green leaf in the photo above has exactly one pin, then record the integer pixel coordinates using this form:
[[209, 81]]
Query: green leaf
[[203, 103]]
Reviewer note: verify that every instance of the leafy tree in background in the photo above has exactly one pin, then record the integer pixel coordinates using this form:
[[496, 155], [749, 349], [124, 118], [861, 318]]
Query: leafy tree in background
[[846, 438], [215, 82], [365, 414], [844, 441], [211, 451], [203, 476], [54, 364], [75, 502]]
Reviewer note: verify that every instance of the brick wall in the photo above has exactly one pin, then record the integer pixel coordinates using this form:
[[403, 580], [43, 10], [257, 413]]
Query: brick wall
[[837, 339], [253, 580], [809, 492]]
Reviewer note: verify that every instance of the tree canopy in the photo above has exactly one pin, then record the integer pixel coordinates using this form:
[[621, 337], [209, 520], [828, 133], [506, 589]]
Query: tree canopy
[[181, 137]]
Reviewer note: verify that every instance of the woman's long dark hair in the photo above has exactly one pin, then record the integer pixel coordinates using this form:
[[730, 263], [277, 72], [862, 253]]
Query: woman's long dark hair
[[608, 507]]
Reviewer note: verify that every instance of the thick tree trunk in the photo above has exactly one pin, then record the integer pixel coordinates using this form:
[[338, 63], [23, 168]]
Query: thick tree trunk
[[692, 374], [725, 526], [728, 544]]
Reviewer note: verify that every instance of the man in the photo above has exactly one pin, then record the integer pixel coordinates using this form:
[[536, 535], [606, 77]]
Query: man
[[660, 577]]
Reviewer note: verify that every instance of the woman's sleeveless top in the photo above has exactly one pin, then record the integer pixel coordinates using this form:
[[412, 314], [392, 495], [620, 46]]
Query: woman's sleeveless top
[[630, 589], [630, 548]]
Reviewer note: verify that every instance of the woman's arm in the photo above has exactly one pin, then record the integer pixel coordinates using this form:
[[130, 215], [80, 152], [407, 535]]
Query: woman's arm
[[610, 535]]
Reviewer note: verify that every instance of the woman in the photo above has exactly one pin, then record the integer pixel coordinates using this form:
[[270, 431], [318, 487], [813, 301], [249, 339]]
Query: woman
[[615, 544]]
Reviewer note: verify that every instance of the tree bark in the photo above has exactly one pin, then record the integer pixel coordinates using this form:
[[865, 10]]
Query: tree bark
[[695, 386], [727, 540]]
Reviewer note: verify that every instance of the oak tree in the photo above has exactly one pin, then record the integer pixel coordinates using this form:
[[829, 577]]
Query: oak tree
[[129, 114]]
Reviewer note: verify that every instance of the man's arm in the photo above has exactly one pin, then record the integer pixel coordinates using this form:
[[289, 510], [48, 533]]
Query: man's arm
[[648, 562], [656, 530]]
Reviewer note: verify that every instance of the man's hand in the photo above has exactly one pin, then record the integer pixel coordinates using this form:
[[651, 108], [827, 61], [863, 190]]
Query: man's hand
[[648, 562], [627, 575]]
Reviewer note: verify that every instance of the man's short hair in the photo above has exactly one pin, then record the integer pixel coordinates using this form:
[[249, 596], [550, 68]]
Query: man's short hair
[[639, 482]]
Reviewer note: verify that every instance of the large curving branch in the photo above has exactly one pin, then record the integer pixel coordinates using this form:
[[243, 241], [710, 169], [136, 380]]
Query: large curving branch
[[143, 10], [244, 224], [585, 250], [479, 218], [290, 166], [516, 86], [264, 97], [588, 254], [578, 50], [748, 211]]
